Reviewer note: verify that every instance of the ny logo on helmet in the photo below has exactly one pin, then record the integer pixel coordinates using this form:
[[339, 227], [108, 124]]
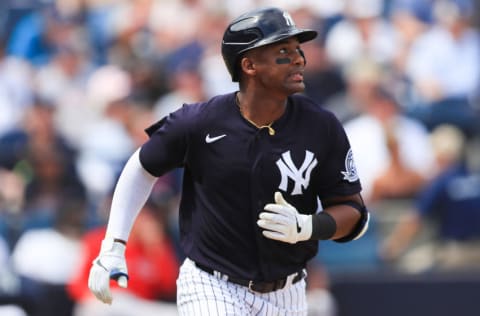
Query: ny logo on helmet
[[301, 177], [288, 19]]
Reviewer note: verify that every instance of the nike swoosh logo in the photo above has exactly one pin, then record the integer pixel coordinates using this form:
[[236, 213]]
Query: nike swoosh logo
[[209, 139], [101, 265], [299, 229]]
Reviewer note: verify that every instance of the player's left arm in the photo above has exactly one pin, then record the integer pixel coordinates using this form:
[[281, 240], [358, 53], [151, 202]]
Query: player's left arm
[[342, 219], [350, 215]]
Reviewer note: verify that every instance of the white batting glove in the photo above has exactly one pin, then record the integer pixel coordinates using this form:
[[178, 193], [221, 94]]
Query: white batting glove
[[110, 264], [283, 222]]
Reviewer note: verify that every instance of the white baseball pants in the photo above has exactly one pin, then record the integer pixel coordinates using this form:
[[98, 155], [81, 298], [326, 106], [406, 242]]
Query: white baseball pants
[[202, 294]]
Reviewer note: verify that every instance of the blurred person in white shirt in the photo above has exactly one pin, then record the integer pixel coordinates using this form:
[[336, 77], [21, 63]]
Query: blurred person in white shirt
[[400, 156], [444, 61], [362, 32]]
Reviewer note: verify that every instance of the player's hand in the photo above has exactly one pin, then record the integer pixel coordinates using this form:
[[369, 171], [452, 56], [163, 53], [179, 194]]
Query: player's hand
[[283, 222], [110, 264]]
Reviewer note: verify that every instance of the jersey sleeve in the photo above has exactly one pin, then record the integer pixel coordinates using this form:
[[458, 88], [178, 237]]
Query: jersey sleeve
[[166, 147], [339, 173]]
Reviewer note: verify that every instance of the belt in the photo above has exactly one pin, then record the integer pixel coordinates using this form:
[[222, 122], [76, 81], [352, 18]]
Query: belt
[[256, 286]]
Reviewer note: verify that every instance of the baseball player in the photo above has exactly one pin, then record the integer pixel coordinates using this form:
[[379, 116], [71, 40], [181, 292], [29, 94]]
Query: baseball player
[[267, 173]]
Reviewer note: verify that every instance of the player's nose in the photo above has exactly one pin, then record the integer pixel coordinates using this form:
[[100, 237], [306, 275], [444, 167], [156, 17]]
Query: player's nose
[[299, 58]]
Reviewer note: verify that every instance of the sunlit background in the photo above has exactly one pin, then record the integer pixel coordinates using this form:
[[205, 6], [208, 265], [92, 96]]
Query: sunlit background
[[81, 79]]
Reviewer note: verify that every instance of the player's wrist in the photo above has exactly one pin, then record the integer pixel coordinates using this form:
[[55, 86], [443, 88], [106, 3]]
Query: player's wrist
[[120, 241], [305, 229], [113, 245], [324, 226]]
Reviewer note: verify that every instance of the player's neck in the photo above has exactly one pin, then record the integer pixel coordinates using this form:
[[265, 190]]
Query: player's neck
[[258, 110]]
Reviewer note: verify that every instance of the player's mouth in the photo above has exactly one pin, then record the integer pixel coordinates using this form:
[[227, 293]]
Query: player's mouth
[[296, 76]]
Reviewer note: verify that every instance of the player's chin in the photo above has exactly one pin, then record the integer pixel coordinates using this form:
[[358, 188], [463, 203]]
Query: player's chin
[[296, 86]]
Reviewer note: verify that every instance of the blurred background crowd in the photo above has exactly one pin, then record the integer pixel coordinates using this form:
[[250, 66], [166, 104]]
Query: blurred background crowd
[[81, 79]]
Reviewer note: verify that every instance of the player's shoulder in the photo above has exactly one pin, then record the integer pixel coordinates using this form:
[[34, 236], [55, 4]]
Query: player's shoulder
[[192, 115], [307, 107], [215, 108], [210, 108], [213, 103]]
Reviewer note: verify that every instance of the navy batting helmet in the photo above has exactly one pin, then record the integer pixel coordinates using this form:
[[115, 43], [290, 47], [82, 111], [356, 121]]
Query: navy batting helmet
[[258, 28]]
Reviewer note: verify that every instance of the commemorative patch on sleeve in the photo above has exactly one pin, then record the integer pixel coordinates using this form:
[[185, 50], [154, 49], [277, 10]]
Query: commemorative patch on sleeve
[[350, 174]]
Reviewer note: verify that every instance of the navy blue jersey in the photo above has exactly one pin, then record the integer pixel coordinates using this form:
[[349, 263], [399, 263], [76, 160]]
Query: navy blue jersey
[[453, 200], [232, 169]]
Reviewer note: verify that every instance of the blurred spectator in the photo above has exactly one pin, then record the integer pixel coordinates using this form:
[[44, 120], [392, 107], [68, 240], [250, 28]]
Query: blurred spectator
[[411, 19], [141, 115], [150, 29], [435, 71], [364, 32], [55, 254], [45, 163], [321, 301], [65, 72], [11, 199], [4, 252], [134, 45], [323, 79], [106, 144], [215, 77], [399, 158], [37, 35], [12, 196], [105, 148], [448, 145], [452, 202], [53, 176], [186, 87], [8, 284], [361, 77], [37, 134], [12, 310], [444, 86], [153, 270], [15, 90]]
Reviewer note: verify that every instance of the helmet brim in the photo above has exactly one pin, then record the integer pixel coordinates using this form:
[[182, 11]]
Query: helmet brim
[[303, 35]]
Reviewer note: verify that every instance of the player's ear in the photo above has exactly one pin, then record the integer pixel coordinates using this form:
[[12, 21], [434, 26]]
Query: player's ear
[[248, 66]]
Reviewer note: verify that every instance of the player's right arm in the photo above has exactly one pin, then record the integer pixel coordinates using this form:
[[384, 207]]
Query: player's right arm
[[165, 150], [131, 192]]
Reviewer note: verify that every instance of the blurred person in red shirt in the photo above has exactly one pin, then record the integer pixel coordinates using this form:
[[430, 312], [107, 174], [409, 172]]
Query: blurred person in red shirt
[[153, 270]]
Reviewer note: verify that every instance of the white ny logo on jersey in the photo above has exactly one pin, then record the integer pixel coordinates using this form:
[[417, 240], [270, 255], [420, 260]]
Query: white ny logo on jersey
[[301, 176]]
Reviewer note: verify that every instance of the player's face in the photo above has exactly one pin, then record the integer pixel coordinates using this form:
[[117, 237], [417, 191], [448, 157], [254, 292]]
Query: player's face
[[280, 66]]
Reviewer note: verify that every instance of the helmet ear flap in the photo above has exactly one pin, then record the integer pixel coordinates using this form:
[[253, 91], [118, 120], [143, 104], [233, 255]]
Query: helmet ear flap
[[237, 68]]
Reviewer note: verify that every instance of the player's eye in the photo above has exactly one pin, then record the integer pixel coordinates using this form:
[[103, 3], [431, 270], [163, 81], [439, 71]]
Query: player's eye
[[285, 51]]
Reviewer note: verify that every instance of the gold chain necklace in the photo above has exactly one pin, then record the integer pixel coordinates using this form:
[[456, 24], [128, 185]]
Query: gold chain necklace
[[271, 131]]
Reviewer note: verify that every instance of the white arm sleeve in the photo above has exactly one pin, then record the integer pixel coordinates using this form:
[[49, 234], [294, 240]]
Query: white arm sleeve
[[131, 192]]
